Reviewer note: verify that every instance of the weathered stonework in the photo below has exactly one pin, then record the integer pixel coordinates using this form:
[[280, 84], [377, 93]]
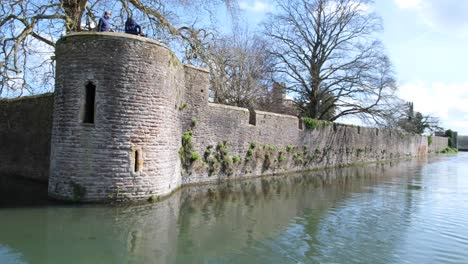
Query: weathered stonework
[[25, 126], [277, 144], [127, 143], [139, 89]]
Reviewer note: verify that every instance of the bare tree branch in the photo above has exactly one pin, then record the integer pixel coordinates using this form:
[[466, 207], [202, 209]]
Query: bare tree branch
[[29, 26], [326, 52]]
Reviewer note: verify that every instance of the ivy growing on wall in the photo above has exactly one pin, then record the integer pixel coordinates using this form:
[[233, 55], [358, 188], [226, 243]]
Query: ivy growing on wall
[[311, 123], [186, 152]]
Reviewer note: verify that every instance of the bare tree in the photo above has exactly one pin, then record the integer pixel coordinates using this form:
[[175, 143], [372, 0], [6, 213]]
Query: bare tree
[[30, 28], [328, 56], [240, 70], [415, 122]]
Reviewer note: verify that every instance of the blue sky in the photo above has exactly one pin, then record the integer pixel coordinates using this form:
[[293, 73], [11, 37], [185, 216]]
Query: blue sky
[[427, 41]]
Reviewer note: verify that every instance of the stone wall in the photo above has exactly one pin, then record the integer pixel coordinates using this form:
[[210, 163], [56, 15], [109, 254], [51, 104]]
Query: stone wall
[[438, 143], [130, 151], [231, 148], [122, 106], [463, 143], [25, 126]]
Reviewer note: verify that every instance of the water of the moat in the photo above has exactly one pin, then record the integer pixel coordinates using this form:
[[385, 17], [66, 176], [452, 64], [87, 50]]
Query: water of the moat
[[411, 211]]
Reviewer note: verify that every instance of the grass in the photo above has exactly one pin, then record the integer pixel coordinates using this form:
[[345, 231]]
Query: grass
[[449, 150]]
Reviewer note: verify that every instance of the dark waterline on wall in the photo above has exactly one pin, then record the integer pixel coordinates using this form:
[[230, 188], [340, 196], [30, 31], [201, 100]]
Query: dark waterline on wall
[[412, 211]]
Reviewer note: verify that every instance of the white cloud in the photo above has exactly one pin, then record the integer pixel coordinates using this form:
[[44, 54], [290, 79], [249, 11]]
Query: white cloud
[[408, 4], [256, 6], [448, 101], [444, 16]]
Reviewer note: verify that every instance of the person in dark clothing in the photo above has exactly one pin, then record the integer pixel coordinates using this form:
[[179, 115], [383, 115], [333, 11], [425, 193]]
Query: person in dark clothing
[[131, 27], [104, 23]]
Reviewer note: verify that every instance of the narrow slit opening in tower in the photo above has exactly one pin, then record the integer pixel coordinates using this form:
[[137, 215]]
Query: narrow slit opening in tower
[[90, 99], [252, 117], [300, 124], [137, 158]]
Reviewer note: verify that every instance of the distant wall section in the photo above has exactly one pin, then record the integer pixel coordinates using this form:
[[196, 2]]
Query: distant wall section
[[25, 130], [438, 143], [463, 143], [234, 143]]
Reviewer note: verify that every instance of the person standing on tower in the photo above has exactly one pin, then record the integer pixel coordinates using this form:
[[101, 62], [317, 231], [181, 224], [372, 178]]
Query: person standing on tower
[[132, 27], [104, 22]]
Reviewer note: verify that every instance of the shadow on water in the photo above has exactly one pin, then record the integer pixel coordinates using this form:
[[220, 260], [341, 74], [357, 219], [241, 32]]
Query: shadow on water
[[20, 192], [277, 219]]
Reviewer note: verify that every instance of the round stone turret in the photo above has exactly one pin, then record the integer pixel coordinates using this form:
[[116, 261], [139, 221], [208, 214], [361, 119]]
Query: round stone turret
[[116, 129]]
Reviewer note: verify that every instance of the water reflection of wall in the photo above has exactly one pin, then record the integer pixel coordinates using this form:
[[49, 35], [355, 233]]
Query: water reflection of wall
[[195, 225]]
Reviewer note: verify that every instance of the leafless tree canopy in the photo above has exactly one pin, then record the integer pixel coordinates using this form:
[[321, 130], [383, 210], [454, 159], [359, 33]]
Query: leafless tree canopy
[[240, 70], [30, 28], [328, 56], [415, 122]]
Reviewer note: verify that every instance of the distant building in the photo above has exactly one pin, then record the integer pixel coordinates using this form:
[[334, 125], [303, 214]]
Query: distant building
[[279, 103]]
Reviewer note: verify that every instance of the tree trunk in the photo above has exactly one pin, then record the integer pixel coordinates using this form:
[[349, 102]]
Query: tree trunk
[[74, 10]]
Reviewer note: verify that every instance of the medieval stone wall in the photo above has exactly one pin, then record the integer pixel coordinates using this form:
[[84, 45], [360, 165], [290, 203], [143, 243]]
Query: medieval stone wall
[[131, 122], [231, 148], [130, 151], [25, 126], [437, 144]]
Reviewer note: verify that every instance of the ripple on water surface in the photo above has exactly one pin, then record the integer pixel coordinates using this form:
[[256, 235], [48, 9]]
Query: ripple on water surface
[[413, 211]]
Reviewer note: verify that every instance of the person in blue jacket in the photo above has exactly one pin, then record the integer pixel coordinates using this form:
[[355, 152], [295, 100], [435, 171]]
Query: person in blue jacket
[[104, 22], [131, 27]]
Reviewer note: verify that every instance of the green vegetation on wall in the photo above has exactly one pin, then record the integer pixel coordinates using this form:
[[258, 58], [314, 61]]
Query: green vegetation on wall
[[218, 159], [79, 191], [311, 123], [186, 153], [449, 150]]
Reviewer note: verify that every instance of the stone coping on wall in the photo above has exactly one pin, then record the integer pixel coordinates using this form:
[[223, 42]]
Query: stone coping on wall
[[228, 107], [116, 35], [258, 112], [197, 68], [130, 36], [27, 97]]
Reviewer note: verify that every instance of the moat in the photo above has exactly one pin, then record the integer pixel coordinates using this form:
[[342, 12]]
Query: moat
[[410, 211]]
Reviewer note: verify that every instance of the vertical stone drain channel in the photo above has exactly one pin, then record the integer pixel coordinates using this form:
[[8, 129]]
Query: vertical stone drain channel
[[115, 131]]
